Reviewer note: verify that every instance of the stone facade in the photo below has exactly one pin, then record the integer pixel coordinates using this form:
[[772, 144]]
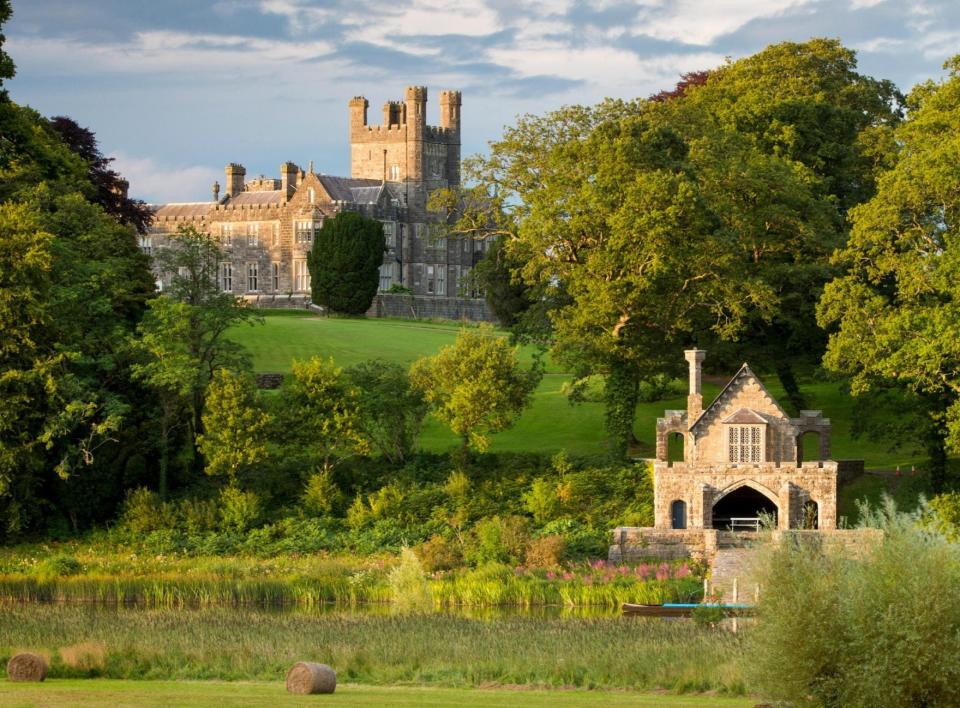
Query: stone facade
[[742, 459], [267, 225]]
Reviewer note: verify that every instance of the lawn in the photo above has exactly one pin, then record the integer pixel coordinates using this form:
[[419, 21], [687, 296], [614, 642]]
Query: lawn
[[197, 694], [551, 423]]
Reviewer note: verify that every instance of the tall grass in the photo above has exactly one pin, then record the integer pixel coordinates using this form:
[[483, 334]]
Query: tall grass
[[389, 649]]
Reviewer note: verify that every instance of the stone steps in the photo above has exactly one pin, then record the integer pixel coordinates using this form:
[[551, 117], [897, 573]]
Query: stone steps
[[731, 564]]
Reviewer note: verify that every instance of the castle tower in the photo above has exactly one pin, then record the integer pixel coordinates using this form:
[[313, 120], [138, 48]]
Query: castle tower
[[405, 148], [450, 120], [234, 182]]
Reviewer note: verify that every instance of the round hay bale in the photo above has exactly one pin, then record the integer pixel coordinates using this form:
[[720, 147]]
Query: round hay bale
[[26, 667], [305, 677]]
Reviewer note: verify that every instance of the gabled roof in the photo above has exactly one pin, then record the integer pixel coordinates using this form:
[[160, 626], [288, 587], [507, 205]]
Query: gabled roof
[[746, 416], [744, 373]]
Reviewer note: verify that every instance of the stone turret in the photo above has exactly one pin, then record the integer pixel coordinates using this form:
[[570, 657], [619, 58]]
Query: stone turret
[[216, 191], [235, 177], [358, 111]]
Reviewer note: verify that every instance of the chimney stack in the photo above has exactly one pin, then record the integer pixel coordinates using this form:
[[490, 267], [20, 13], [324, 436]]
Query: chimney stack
[[695, 397], [288, 179], [216, 192]]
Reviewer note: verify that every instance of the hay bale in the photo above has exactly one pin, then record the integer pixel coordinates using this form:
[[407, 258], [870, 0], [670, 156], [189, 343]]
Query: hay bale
[[26, 667], [305, 677]]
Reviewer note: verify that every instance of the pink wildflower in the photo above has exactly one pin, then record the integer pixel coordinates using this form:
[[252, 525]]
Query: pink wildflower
[[597, 564], [568, 576], [682, 572], [551, 575]]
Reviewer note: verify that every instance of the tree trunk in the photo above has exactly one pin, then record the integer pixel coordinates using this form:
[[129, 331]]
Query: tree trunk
[[620, 398], [788, 380]]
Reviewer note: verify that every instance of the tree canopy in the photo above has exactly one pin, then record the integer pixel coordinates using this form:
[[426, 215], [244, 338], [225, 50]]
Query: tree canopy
[[894, 314]]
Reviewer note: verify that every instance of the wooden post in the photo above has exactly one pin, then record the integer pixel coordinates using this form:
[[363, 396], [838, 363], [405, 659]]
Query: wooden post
[[736, 589]]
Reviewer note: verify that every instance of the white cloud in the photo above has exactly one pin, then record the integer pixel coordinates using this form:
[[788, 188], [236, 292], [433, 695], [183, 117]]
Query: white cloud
[[882, 45], [700, 22], [863, 4], [157, 184]]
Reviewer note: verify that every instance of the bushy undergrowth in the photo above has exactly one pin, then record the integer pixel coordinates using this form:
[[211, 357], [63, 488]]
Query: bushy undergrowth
[[881, 630], [377, 649]]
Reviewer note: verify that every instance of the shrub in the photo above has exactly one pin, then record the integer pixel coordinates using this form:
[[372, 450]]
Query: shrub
[[59, 566], [545, 552], [144, 512], [239, 510], [198, 515], [883, 630], [321, 493], [580, 540], [499, 540], [409, 588], [440, 553], [541, 500]]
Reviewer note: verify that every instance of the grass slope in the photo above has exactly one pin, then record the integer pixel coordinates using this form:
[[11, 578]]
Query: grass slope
[[551, 423], [197, 694]]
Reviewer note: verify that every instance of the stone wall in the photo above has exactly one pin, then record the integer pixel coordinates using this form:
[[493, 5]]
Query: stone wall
[[417, 307], [700, 486], [634, 543]]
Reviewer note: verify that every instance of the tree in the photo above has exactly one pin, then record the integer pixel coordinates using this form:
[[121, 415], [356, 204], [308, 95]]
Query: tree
[[345, 262], [894, 315], [110, 189], [7, 69], [318, 414], [506, 295], [182, 339], [707, 217], [476, 386], [391, 411], [235, 425]]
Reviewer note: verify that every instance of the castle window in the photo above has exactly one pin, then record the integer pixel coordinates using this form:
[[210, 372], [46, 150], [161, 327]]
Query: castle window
[[226, 232], [394, 173], [276, 233], [253, 277], [388, 235], [146, 244], [431, 280], [441, 279], [226, 277], [386, 276], [253, 234], [275, 276], [744, 443], [303, 231], [301, 276], [312, 195]]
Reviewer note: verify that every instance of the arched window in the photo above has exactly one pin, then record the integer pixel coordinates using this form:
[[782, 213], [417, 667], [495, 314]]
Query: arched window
[[678, 514], [811, 515]]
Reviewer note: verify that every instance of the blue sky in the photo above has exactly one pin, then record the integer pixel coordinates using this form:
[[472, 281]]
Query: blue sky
[[176, 89]]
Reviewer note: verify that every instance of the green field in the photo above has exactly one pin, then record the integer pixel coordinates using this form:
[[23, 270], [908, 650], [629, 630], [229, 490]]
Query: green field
[[551, 423], [197, 694]]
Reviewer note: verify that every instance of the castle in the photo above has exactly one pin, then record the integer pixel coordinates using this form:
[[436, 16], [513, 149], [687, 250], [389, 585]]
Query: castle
[[267, 225]]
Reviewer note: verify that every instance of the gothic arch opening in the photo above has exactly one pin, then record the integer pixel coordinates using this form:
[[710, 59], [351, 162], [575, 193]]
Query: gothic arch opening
[[811, 515], [742, 509]]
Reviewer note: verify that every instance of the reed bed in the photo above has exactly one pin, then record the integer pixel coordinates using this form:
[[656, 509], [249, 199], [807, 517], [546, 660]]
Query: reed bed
[[432, 649], [307, 583]]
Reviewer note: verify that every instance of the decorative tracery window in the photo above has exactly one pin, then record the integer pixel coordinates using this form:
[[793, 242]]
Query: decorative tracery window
[[744, 443]]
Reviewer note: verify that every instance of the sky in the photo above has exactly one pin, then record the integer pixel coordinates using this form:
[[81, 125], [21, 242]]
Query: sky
[[176, 89]]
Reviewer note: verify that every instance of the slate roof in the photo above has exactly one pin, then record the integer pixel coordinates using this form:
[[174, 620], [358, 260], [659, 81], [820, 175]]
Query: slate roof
[[349, 189], [272, 196], [181, 209]]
